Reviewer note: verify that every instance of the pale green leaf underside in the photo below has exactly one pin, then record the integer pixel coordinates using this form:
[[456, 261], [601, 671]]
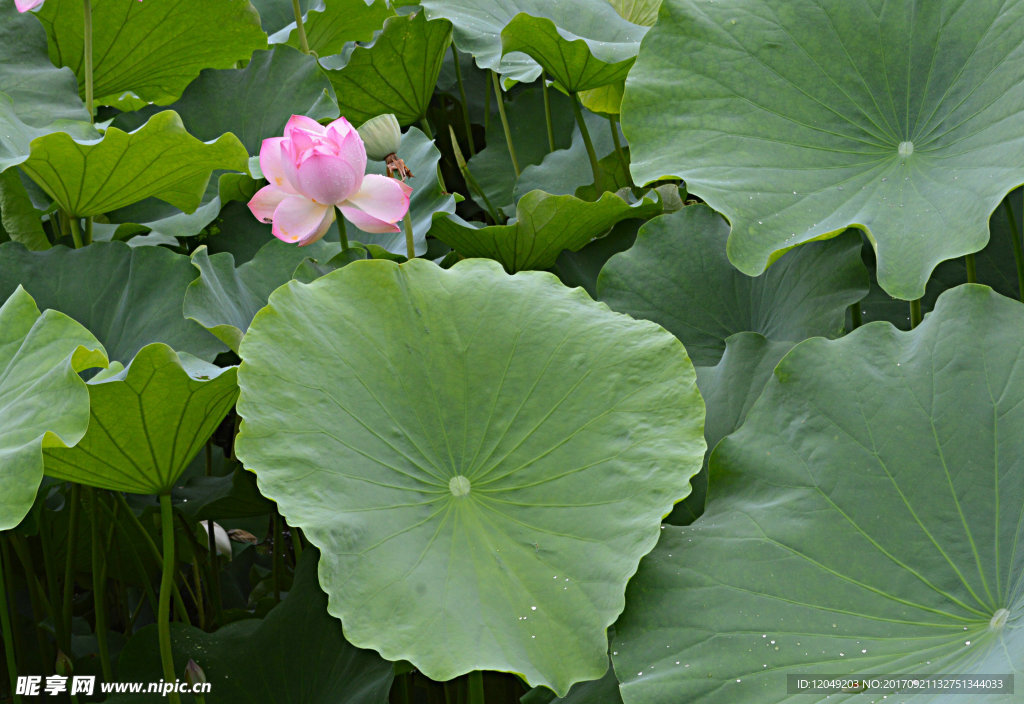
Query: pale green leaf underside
[[147, 422], [16, 136], [396, 74], [677, 274], [149, 51], [160, 160], [866, 518], [127, 297], [576, 63], [224, 299], [901, 118], [479, 26], [493, 499], [43, 401], [545, 225]]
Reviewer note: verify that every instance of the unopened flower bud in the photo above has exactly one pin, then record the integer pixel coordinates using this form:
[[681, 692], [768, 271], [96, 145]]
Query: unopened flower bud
[[382, 136], [194, 674]]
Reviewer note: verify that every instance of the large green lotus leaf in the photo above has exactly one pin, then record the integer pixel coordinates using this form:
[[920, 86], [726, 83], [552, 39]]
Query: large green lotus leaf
[[295, 655], [254, 102], [465, 447], [338, 22], [602, 56], [422, 156], [396, 74], [149, 51], [159, 160], [479, 25], [677, 274], [164, 224], [899, 118], [18, 216], [127, 297], [729, 390], [147, 421], [41, 92], [492, 166], [224, 299], [16, 136], [865, 519], [545, 225], [43, 401]]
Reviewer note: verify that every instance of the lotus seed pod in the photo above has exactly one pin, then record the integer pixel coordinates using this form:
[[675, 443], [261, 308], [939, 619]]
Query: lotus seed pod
[[381, 136]]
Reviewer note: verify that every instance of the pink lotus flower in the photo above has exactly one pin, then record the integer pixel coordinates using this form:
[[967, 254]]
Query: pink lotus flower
[[314, 168]]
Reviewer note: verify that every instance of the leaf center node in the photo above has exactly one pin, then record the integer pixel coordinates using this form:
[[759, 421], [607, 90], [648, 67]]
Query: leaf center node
[[458, 485], [905, 149]]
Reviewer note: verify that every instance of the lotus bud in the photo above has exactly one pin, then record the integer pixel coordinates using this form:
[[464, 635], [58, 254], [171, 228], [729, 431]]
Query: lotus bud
[[382, 136], [194, 674], [221, 539]]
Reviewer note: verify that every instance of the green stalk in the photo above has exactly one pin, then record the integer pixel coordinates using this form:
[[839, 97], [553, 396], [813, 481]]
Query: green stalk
[[296, 544], [915, 313], [65, 612], [41, 608], [178, 602], [166, 581], [587, 142], [504, 122], [87, 235], [476, 687], [99, 588], [298, 25], [467, 176], [462, 97], [855, 317], [5, 623], [425, 124], [972, 269], [410, 245], [614, 121], [547, 110], [1018, 255], [342, 231], [76, 232], [87, 58]]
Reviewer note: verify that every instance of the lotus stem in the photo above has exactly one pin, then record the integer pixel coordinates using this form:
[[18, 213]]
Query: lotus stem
[[587, 142], [296, 542], [211, 544], [476, 687], [299, 26], [471, 182], [504, 122], [1018, 255], [342, 231], [76, 232], [972, 269], [99, 588], [915, 313], [164, 605], [69, 582], [425, 125], [614, 121], [5, 622], [410, 245], [87, 234], [547, 110], [855, 316], [87, 57], [275, 555], [465, 105]]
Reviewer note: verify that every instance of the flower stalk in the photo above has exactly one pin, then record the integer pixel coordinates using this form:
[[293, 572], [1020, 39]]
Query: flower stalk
[[504, 122]]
